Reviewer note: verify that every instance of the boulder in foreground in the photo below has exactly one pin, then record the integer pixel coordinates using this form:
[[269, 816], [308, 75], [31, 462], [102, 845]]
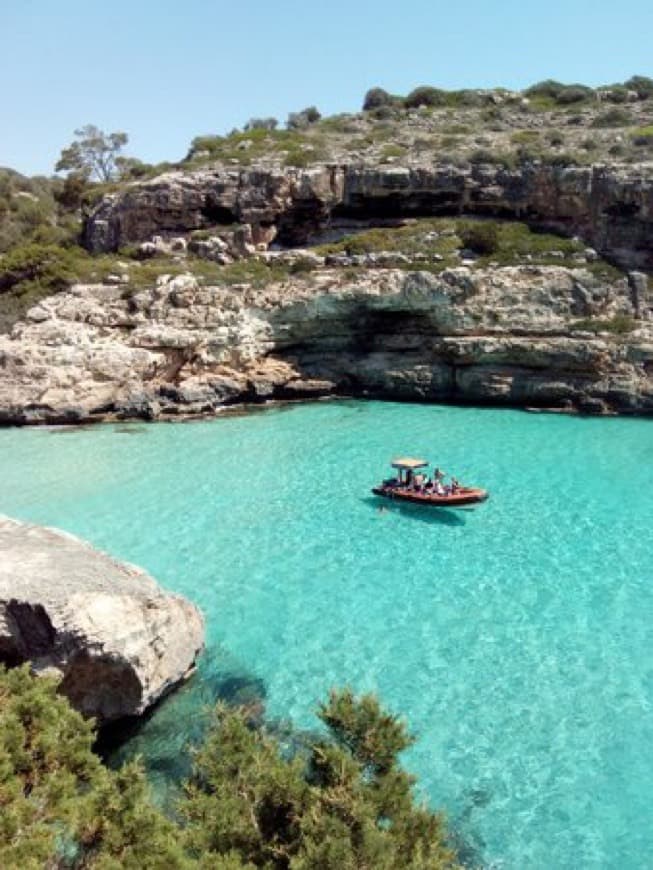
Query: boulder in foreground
[[116, 638]]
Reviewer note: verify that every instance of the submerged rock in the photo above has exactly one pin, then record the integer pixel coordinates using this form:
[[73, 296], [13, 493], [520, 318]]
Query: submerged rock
[[116, 639]]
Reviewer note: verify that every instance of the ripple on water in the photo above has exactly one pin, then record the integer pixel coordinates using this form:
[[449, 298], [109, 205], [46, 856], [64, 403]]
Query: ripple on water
[[516, 637]]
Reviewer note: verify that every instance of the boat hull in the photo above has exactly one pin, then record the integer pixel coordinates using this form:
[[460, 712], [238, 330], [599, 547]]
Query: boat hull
[[464, 496]]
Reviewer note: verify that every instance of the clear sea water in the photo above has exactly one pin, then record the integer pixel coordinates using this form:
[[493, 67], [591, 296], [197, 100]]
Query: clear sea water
[[517, 638]]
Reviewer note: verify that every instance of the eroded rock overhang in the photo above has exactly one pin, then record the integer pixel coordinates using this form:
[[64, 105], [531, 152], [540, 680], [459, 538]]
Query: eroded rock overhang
[[114, 638], [609, 206]]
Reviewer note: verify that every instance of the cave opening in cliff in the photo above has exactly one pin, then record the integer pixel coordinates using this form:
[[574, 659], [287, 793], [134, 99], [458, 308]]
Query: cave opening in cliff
[[424, 204], [218, 215], [390, 329]]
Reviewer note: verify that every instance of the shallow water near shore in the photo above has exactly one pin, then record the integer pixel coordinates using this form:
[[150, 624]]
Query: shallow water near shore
[[517, 637]]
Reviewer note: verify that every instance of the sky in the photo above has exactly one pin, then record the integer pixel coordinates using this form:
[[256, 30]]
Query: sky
[[165, 71]]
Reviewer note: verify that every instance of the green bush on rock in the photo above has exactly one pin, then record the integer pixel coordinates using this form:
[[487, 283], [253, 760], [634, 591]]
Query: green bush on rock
[[425, 96], [59, 807], [377, 98], [46, 265], [481, 237], [341, 803]]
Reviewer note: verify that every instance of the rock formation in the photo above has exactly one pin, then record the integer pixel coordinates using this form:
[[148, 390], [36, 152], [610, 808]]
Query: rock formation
[[516, 335], [430, 326], [609, 206], [117, 641]]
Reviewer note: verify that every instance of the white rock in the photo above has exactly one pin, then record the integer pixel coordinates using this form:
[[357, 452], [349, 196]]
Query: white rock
[[118, 641]]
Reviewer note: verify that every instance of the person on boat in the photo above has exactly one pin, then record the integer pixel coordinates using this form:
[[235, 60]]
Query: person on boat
[[455, 486], [438, 476]]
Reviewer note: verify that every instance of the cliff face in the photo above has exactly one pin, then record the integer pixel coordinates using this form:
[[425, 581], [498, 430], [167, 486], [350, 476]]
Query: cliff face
[[117, 641], [610, 207], [506, 336]]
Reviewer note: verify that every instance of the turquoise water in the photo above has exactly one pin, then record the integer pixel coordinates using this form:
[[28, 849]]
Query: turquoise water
[[517, 638]]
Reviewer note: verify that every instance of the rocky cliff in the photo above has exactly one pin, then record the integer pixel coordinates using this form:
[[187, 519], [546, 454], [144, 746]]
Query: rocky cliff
[[609, 206], [521, 335], [211, 302], [117, 641]]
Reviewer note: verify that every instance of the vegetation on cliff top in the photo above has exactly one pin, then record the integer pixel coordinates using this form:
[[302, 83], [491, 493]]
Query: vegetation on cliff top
[[553, 123], [31, 272], [548, 122], [343, 801]]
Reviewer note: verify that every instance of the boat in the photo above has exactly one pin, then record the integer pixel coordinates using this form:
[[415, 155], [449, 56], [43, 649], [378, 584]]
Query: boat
[[409, 485]]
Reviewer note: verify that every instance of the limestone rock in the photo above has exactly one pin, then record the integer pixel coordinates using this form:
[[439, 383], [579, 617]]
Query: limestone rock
[[610, 207], [118, 641], [515, 335]]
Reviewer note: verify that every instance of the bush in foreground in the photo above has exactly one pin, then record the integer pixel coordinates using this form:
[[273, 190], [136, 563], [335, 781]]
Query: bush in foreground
[[341, 803], [59, 807]]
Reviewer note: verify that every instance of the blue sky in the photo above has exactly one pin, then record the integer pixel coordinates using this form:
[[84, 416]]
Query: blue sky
[[167, 70]]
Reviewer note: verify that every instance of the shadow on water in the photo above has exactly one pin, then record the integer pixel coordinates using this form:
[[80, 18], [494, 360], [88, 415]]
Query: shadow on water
[[433, 516], [131, 429], [463, 834], [164, 735]]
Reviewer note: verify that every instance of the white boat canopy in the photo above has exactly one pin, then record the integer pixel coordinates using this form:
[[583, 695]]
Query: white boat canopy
[[407, 463]]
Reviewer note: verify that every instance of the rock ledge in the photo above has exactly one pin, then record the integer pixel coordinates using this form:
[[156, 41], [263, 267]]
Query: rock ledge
[[116, 639]]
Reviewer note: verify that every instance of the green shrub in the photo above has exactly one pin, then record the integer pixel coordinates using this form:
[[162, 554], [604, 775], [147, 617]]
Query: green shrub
[[612, 118], [377, 98], [47, 265], [525, 137], [70, 194], [512, 242], [425, 96], [391, 151], [60, 806], [343, 800], [643, 137], [31, 207], [574, 94], [620, 324], [469, 99], [485, 155], [209, 144], [642, 85], [385, 113], [298, 157], [615, 94], [457, 129], [481, 237], [559, 94], [492, 114], [559, 158], [548, 88], [343, 803], [528, 154], [303, 119], [302, 266]]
